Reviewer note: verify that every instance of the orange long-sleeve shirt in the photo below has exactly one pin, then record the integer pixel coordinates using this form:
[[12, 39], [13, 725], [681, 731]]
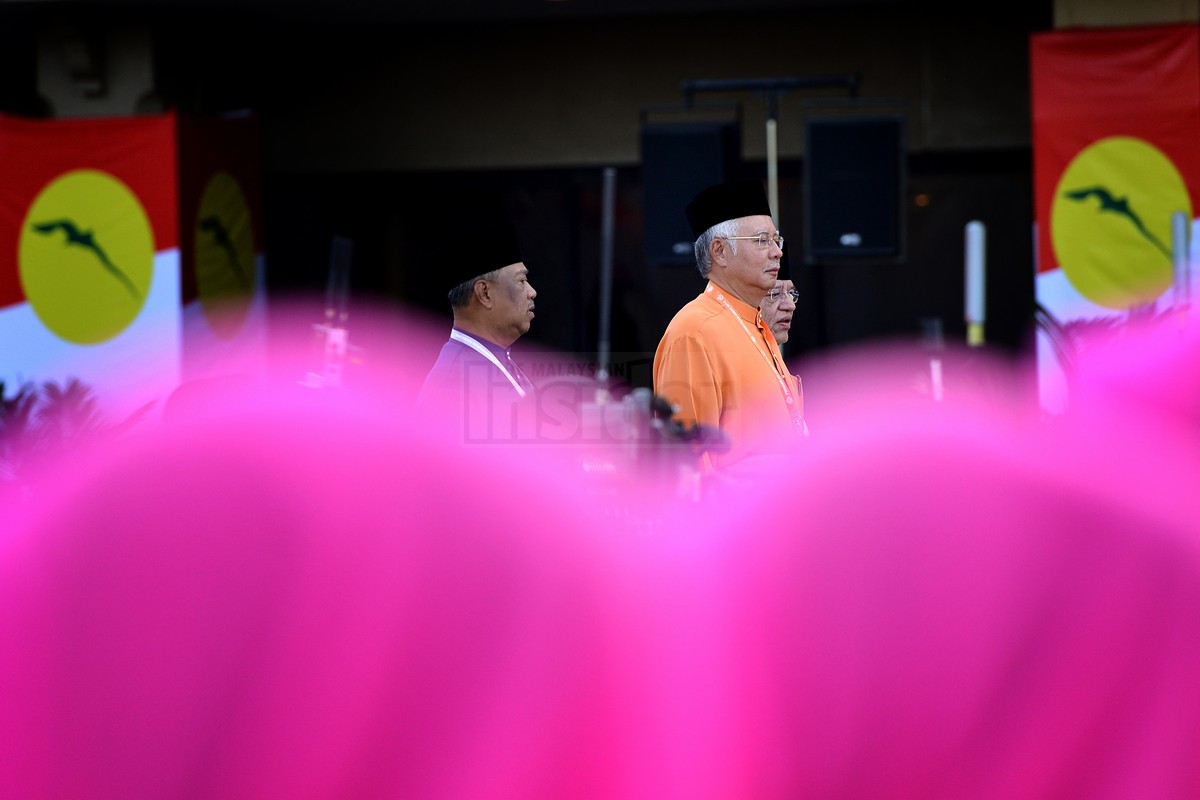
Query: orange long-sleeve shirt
[[711, 369]]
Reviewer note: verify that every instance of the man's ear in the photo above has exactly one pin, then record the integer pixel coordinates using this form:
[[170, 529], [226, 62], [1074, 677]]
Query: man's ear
[[483, 293], [718, 252]]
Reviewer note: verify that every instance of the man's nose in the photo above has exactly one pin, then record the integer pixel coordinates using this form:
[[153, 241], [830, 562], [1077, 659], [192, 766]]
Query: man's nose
[[532, 292]]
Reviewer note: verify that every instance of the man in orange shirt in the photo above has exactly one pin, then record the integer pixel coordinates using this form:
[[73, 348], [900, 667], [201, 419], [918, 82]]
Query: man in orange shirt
[[718, 363]]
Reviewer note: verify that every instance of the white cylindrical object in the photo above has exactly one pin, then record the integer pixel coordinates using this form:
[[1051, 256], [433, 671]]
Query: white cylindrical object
[[1180, 261], [976, 244], [937, 386]]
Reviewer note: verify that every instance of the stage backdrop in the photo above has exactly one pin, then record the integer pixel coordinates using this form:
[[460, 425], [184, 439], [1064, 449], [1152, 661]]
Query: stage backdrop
[[93, 215], [1116, 135]]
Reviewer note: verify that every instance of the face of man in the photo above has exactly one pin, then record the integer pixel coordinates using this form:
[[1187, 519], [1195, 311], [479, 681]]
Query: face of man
[[512, 296], [777, 309], [750, 271]]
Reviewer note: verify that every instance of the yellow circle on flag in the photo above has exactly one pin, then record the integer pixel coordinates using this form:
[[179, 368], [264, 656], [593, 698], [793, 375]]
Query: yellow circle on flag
[[224, 255], [86, 256], [1110, 221]]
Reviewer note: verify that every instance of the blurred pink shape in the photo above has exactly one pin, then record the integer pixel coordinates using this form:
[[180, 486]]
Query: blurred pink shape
[[293, 594], [288, 593], [955, 602]]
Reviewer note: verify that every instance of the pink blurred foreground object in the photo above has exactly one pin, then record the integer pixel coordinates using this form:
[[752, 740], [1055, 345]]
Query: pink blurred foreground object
[[290, 595], [296, 594], [955, 603]]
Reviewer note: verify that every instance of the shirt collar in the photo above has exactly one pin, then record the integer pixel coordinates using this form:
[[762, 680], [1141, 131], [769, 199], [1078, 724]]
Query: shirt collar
[[496, 350], [743, 309]]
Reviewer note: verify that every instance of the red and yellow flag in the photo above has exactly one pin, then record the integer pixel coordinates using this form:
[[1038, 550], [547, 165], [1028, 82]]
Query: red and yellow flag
[[1116, 122], [129, 248], [221, 230], [89, 255], [223, 287], [84, 206]]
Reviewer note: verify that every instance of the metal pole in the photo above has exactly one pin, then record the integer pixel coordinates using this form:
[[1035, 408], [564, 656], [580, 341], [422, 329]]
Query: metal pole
[[690, 87], [773, 155], [337, 291], [607, 216], [773, 169]]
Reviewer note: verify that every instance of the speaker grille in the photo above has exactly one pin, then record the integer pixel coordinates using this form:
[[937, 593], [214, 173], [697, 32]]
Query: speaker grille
[[853, 185], [678, 160]]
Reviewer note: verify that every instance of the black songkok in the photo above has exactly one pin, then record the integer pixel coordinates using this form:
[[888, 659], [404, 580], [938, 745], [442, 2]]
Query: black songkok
[[726, 201], [486, 248]]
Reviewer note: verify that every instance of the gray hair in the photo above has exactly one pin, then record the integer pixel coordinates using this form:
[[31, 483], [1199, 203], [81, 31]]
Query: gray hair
[[460, 295], [702, 246]]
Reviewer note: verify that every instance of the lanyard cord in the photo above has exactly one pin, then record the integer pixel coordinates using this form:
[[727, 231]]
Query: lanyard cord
[[477, 347], [797, 420]]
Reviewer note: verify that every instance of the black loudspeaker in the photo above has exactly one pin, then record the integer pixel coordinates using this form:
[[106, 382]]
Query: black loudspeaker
[[854, 187], [678, 160]]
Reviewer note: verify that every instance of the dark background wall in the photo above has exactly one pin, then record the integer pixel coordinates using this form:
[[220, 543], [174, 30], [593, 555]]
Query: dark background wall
[[399, 130]]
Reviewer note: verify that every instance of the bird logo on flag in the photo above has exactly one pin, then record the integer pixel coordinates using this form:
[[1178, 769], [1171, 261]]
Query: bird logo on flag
[[87, 240], [220, 237], [1111, 221], [224, 258], [1120, 207]]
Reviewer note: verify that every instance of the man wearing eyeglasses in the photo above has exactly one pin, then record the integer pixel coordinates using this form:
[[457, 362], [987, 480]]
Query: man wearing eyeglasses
[[475, 380], [779, 304], [777, 308], [718, 363]]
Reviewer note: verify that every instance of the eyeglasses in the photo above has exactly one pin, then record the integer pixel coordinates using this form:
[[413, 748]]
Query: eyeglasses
[[762, 239], [776, 294]]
